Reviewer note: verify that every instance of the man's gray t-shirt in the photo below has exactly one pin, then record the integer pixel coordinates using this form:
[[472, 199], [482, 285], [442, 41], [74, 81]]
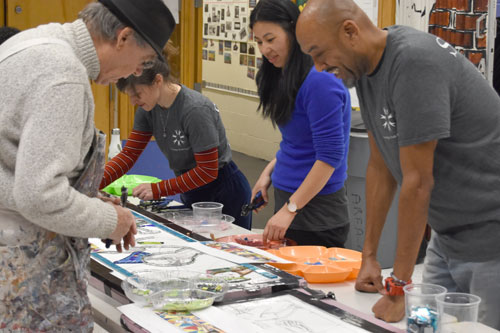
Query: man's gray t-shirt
[[192, 124], [424, 90]]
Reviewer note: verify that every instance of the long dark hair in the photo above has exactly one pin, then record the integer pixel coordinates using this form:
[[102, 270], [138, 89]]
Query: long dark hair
[[278, 87]]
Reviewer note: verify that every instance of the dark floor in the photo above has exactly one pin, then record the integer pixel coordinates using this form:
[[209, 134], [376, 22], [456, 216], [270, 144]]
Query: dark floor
[[251, 168]]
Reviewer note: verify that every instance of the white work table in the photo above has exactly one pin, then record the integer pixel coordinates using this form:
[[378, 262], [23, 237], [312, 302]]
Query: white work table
[[363, 302], [108, 317]]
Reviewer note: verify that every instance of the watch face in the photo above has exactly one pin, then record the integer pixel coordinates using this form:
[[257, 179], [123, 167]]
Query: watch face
[[292, 207]]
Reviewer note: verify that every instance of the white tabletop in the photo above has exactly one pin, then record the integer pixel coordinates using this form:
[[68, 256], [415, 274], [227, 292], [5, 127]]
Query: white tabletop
[[344, 292], [363, 302]]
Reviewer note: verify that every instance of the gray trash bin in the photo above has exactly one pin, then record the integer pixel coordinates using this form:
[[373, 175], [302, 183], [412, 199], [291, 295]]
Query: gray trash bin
[[359, 152]]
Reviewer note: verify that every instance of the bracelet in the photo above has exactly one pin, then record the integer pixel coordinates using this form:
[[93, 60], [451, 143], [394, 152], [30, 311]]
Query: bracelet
[[398, 281]]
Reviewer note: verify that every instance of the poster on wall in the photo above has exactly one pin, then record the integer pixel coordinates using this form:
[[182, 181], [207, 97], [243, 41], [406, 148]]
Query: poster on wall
[[235, 60], [464, 27], [226, 20]]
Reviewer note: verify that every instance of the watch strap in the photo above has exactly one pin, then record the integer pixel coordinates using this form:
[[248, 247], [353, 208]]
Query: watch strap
[[401, 282], [394, 286]]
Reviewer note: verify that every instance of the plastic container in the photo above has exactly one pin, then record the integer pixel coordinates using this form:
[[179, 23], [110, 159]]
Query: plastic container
[[325, 274], [456, 310], [187, 220], [182, 299], [207, 282], [171, 256], [179, 217], [115, 146], [421, 308], [175, 290], [295, 253], [141, 285], [224, 223], [207, 212]]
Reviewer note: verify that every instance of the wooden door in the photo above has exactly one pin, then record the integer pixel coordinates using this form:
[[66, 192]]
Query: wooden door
[[25, 14], [2, 16], [386, 13], [111, 107]]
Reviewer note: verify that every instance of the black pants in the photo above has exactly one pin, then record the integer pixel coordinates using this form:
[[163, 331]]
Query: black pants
[[231, 188], [323, 221], [335, 237], [496, 61]]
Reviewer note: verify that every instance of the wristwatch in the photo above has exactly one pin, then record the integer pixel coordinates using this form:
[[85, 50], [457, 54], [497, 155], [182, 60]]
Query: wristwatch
[[292, 207], [394, 286]]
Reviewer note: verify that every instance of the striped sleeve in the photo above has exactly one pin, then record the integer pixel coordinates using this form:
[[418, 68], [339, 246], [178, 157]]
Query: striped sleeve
[[122, 162], [206, 171]]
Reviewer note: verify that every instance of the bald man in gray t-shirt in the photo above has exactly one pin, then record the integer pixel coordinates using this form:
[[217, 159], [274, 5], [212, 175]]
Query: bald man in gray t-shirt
[[424, 91], [434, 129]]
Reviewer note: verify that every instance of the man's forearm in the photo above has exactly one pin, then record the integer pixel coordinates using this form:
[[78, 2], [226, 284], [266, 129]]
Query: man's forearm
[[412, 218], [380, 189]]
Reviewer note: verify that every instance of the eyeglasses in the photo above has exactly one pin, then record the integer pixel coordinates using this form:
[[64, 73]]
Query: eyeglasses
[[148, 64]]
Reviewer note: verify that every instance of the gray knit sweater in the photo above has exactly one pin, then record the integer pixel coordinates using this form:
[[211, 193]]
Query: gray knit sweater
[[46, 130]]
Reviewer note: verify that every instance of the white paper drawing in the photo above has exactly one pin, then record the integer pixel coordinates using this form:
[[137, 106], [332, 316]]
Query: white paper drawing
[[289, 314]]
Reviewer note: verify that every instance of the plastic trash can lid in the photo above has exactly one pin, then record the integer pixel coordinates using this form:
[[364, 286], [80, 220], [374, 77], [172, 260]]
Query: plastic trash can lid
[[357, 124]]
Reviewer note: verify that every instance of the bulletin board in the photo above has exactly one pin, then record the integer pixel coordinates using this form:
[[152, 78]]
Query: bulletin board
[[230, 56]]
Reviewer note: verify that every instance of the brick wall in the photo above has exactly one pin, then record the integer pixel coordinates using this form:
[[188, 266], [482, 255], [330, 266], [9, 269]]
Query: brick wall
[[455, 22]]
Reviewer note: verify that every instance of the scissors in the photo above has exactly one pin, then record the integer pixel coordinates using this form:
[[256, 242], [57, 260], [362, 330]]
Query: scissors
[[123, 203]]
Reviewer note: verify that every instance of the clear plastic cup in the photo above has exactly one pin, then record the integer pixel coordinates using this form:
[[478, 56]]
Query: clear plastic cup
[[207, 212], [421, 307], [456, 310]]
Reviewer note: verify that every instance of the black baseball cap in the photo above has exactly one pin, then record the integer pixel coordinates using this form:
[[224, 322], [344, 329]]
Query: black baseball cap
[[150, 18]]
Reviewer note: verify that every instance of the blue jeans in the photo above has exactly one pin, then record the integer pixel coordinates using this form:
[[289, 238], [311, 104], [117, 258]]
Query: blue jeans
[[231, 188], [478, 278]]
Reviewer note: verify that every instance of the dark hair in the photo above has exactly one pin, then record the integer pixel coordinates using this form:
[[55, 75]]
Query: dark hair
[[277, 87], [6, 33], [149, 74]]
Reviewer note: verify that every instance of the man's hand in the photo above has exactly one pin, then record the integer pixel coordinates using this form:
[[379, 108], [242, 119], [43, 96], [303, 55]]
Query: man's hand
[[125, 228], [278, 224], [370, 276], [108, 198], [390, 308], [143, 192]]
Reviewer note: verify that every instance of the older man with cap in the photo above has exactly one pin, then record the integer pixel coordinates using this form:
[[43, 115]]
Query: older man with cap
[[52, 158], [434, 129]]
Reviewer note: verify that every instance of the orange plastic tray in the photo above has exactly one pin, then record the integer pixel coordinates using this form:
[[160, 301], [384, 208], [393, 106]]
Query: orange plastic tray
[[318, 264]]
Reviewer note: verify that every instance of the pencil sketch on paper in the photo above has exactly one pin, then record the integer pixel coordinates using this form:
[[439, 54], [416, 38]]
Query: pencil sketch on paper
[[289, 314]]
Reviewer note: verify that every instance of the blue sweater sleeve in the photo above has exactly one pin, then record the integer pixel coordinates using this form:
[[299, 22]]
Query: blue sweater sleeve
[[326, 99]]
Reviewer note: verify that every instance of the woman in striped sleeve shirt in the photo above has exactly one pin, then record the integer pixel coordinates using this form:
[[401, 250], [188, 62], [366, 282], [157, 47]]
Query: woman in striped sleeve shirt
[[189, 131]]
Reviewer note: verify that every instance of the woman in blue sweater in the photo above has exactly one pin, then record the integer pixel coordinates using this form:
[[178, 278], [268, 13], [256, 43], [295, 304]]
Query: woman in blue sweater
[[313, 112]]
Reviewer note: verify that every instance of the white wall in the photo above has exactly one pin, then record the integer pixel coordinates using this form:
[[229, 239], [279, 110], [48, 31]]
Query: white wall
[[246, 130]]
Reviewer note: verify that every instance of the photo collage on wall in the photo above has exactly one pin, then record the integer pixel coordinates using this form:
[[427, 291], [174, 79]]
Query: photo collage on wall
[[226, 33]]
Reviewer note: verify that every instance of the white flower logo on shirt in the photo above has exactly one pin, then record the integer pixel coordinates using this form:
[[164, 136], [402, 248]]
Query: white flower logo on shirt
[[388, 120], [178, 137]]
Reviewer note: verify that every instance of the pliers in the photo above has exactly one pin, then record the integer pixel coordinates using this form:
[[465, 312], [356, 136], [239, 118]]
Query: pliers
[[123, 203], [257, 201]]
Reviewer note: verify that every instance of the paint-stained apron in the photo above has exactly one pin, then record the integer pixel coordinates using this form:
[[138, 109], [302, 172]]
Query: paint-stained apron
[[44, 275]]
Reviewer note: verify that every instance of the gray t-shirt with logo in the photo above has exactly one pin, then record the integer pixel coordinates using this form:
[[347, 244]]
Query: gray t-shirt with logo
[[424, 90], [192, 124]]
